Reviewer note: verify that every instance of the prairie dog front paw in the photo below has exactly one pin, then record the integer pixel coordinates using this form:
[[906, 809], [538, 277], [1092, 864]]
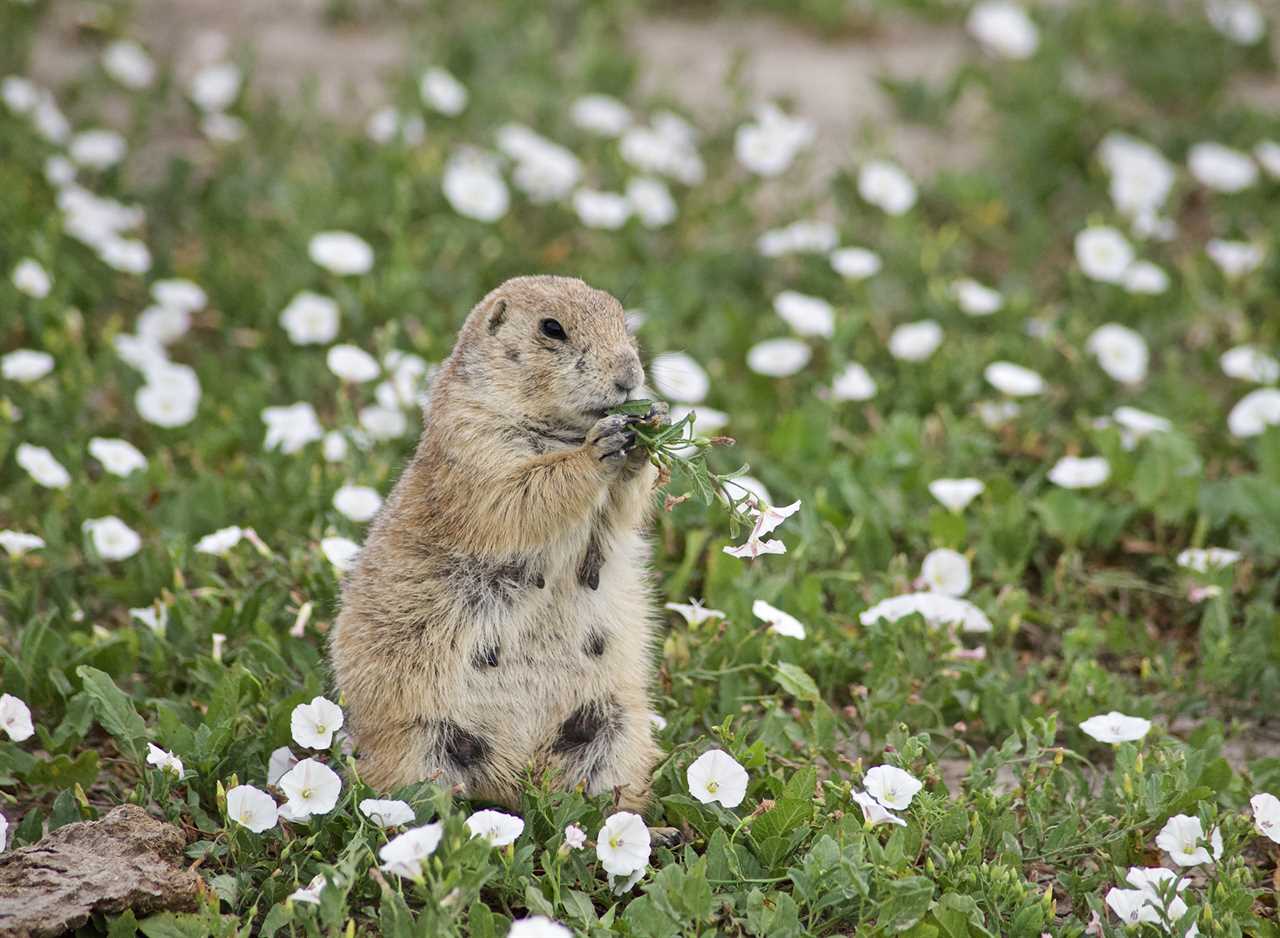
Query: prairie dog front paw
[[610, 439]]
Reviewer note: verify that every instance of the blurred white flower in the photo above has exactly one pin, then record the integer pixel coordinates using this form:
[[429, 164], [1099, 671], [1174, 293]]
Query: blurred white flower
[[97, 148], [667, 146], [1115, 727], [854, 383], [538, 926], [223, 128], [1241, 21], [388, 124], [155, 617], [341, 253], [575, 838], [1267, 153], [778, 358], [15, 718], [129, 64], [49, 120], [17, 543], [1014, 380], [30, 277], [600, 114], [544, 171], [352, 364], [1103, 253], [497, 827], [291, 428], [163, 325], [694, 612], [657, 721], [59, 171], [170, 397], [340, 551], [127, 255], [955, 494], [383, 423], [25, 365], [403, 855], [1138, 424], [768, 145], [313, 724], [607, 210], [935, 608], [312, 788], [915, 341], [873, 812], [781, 622], [164, 760], [442, 92], [884, 185], [800, 237], [807, 315], [678, 377], [1146, 279], [1250, 363], [1120, 351], [717, 776], [252, 808], [976, 299], [995, 413], [280, 762], [651, 201], [1180, 838], [215, 87], [357, 502], [1234, 258], [310, 319], [20, 95], [177, 293], [1204, 559], [41, 465], [475, 188], [1221, 168], [309, 893], [891, 786], [221, 541], [946, 571], [334, 446], [112, 538], [1266, 815], [1075, 472], [1254, 412], [391, 813], [1141, 176], [1003, 27], [623, 844], [855, 263]]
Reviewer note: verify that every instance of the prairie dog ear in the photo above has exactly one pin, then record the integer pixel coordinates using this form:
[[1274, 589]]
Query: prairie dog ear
[[497, 316]]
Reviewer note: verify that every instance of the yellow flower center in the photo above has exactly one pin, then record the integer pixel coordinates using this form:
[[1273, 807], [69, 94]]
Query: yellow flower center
[[306, 793], [712, 786], [615, 842]]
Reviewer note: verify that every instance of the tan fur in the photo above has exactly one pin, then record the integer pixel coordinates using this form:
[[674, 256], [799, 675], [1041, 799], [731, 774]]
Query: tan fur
[[518, 492]]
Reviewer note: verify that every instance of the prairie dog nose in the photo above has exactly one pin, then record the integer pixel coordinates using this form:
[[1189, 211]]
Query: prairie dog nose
[[629, 374]]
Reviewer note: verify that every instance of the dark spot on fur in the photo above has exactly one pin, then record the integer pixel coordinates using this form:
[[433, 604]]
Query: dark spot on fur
[[485, 658], [479, 583], [592, 561], [498, 318], [540, 583], [581, 363], [462, 748], [595, 643], [590, 723], [513, 355]]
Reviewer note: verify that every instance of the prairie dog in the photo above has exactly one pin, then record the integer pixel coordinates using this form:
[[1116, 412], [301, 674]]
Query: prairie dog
[[498, 615]]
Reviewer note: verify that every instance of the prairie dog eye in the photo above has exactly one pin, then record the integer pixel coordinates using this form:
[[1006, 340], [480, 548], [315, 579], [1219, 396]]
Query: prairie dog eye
[[552, 329]]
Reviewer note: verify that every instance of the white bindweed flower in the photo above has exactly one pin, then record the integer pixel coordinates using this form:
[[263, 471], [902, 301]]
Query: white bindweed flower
[[1115, 727], [976, 299], [340, 551], [17, 543], [891, 786], [915, 341], [1250, 363], [1204, 559], [936, 609], [855, 263], [873, 812], [252, 808], [575, 838], [596, 209], [387, 124], [49, 120], [886, 186], [600, 114], [223, 128], [281, 761], [694, 612], [357, 502], [310, 319], [474, 187], [497, 827], [955, 494], [768, 145], [309, 893], [1136, 906], [1234, 258], [1103, 253], [678, 377], [383, 423], [352, 364], [127, 255], [854, 383], [651, 201], [755, 548], [1141, 176], [59, 171], [163, 325], [1221, 168], [623, 844], [164, 760], [389, 813], [780, 622], [97, 148], [1266, 815], [220, 542], [341, 253], [442, 92], [1181, 837], [312, 788], [1120, 351], [1145, 279], [170, 397], [15, 718], [801, 237], [1076, 472], [1152, 879], [538, 926], [1003, 27], [20, 95], [155, 617], [334, 446], [1267, 153], [807, 315], [667, 146], [717, 776], [129, 64], [291, 428], [946, 571], [313, 724], [30, 277], [25, 365], [403, 855], [1014, 380], [1138, 424], [1254, 412], [1241, 21], [41, 465], [215, 87]]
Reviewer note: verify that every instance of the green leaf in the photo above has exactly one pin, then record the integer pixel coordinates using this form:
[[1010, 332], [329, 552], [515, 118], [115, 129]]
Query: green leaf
[[279, 916], [115, 711], [125, 926], [62, 771], [797, 682], [906, 904]]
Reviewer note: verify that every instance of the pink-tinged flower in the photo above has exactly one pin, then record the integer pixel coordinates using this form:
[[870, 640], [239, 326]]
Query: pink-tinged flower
[[575, 838], [1266, 815], [15, 718]]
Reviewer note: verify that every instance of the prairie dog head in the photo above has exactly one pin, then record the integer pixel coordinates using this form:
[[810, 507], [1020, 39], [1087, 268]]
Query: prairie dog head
[[551, 350]]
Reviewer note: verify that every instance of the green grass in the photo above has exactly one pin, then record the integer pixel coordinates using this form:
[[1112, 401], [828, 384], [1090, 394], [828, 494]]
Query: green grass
[[1024, 821]]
